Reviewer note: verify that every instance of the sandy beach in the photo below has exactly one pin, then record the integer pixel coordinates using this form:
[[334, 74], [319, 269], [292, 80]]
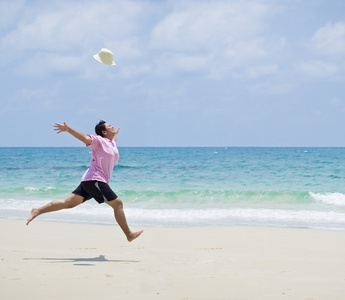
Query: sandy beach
[[48, 260]]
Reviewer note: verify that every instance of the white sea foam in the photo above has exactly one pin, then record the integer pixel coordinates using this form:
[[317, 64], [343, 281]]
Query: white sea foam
[[236, 216], [329, 198], [102, 214], [29, 188]]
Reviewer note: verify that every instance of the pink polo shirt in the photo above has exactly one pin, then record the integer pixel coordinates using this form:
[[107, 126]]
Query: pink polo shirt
[[104, 157]]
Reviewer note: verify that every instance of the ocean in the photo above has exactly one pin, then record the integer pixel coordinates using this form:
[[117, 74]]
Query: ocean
[[213, 186]]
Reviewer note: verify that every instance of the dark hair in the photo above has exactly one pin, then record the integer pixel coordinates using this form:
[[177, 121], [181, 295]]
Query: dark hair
[[100, 127]]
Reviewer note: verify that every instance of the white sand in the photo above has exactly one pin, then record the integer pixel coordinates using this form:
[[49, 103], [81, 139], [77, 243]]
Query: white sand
[[47, 260]]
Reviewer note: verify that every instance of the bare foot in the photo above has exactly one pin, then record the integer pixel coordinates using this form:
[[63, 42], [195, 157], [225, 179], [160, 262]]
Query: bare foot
[[33, 215], [134, 235]]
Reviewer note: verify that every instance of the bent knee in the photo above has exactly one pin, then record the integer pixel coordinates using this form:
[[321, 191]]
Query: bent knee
[[116, 203], [73, 201]]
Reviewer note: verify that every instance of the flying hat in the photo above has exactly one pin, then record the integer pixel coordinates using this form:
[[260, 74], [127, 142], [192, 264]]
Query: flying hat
[[105, 56]]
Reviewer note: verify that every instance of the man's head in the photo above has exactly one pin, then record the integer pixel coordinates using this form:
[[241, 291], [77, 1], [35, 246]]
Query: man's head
[[105, 130], [100, 127]]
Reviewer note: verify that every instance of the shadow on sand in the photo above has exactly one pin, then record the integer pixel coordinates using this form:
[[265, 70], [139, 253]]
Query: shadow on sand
[[82, 261]]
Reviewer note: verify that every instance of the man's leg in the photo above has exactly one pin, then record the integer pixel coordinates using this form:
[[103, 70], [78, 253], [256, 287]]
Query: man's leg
[[70, 202], [120, 218]]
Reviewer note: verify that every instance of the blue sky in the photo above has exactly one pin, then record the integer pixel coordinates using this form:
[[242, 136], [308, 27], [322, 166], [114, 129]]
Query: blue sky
[[189, 73]]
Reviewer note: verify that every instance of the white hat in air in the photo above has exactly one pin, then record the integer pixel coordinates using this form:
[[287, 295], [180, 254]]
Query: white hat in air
[[105, 56]]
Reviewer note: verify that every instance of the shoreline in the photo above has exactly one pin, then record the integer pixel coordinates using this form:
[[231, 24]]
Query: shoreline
[[112, 223], [60, 217], [56, 260]]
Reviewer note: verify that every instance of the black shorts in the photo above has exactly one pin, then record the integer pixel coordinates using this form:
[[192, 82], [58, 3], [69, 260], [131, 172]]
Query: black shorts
[[95, 189]]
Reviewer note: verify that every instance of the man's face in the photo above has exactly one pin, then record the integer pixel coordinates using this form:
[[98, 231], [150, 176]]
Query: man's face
[[109, 130]]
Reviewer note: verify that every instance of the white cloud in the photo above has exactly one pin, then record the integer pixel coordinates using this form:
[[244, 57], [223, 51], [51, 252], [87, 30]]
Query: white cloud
[[272, 88], [258, 71], [74, 25], [133, 70], [203, 25], [330, 39], [168, 63], [208, 37], [207, 26], [176, 60], [41, 64], [192, 63], [66, 30], [215, 37], [242, 51], [318, 69], [9, 11], [40, 100]]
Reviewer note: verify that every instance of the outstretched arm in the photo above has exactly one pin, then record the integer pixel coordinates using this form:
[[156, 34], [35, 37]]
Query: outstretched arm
[[79, 135]]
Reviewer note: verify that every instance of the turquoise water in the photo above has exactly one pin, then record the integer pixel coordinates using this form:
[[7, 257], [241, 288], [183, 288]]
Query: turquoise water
[[286, 187]]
